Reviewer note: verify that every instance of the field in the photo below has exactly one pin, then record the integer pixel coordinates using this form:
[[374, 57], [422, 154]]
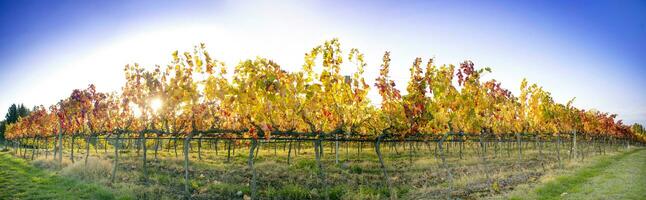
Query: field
[[415, 169], [322, 100]]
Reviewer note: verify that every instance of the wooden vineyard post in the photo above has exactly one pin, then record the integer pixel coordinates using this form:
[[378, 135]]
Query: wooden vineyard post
[[187, 183], [318, 154], [573, 150], [461, 143], [216, 146], [497, 138], [157, 141], [483, 156], [60, 147], [105, 144], [15, 148], [34, 147], [87, 149], [229, 151], [520, 151], [116, 158], [175, 145], [250, 159], [199, 148], [46, 147], [410, 152], [72, 149], [558, 149], [144, 166], [95, 138], [289, 153], [445, 165], [336, 148]]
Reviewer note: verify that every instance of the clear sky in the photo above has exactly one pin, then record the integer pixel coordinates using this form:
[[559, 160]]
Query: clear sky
[[592, 50]]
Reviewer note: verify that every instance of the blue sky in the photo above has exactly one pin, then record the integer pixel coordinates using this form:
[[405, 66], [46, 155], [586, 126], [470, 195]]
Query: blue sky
[[585, 49]]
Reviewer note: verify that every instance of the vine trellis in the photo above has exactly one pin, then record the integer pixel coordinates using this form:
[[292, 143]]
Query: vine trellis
[[194, 98]]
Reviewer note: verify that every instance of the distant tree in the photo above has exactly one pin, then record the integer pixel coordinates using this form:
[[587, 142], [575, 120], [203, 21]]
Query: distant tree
[[2, 127], [14, 113]]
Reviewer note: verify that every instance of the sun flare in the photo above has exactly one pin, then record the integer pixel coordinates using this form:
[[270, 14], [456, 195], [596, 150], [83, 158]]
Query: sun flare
[[156, 104]]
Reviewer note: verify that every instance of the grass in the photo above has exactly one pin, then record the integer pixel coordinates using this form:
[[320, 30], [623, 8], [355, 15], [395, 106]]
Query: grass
[[621, 176], [19, 180], [356, 176]]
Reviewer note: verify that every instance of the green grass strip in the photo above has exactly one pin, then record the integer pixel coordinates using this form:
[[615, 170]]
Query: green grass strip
[[19, 180], [572, 183]]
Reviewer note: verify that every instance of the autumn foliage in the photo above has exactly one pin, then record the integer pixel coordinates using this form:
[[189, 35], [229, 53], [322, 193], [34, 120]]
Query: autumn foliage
[[194, 94]]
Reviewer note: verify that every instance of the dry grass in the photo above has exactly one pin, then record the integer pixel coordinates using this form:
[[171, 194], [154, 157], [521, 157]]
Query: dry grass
[[50, 163], [96, 170]]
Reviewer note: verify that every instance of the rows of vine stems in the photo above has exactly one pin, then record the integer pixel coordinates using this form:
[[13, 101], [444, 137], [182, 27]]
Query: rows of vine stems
[[21, 145], [194, 95]]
